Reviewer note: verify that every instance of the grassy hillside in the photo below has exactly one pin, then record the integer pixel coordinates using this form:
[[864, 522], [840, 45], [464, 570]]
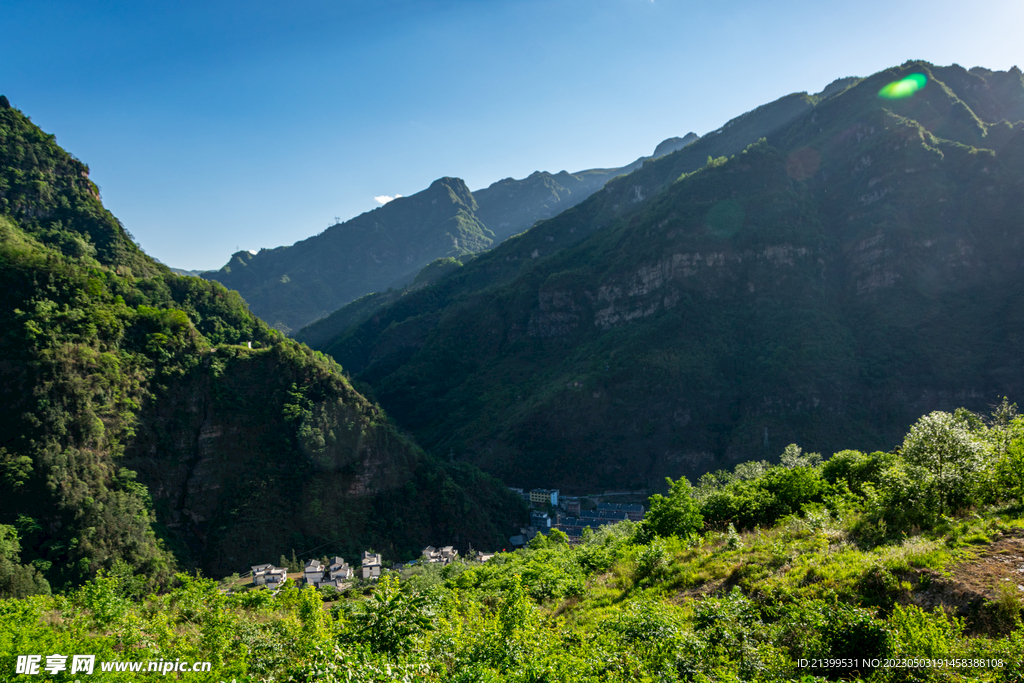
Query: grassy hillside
[[882, 567], [136, 422], [858, 266]]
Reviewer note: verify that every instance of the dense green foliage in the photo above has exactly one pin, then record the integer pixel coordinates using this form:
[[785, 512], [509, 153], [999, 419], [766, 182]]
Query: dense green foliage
[[151, 419], [827, 284], [48, 193], [813, 596], [675, 515]]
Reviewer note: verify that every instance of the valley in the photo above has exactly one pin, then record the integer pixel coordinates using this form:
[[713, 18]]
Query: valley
[[756, 393]]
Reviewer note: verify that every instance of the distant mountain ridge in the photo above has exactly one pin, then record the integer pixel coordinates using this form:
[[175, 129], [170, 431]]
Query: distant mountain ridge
[[821, 270], [290, 287], [511, 206]]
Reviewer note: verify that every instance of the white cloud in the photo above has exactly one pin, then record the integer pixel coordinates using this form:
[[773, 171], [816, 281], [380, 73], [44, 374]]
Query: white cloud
[[384, 199]]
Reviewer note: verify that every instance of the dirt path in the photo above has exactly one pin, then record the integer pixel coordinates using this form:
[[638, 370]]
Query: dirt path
[[976, 581]]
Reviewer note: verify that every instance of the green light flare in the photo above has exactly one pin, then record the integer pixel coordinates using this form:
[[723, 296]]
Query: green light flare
[[905, 87]]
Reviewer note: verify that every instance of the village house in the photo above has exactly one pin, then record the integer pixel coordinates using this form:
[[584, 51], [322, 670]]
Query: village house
[[259, 573], [544, 497], [339, 569], [602, 517], [337, 575], [276, 577], [540, 520], [634, 511], [571, 505], [443, 555], [313, 573], [268, 575], [371, 565]]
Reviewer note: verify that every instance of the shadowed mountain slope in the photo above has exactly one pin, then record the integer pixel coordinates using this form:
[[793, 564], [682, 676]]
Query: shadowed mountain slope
[[826, 285]]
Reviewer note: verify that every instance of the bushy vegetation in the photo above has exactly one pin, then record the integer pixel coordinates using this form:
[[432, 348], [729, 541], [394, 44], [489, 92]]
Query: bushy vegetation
[[815, 593]]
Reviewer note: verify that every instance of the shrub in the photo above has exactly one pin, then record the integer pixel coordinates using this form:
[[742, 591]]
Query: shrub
[[856, 469], [1009, 469], [950, 455], [644, 621], [829, 629], [676, 515], [732, 539], [650, 561], [392, 619], [778, 492], [922, 635]]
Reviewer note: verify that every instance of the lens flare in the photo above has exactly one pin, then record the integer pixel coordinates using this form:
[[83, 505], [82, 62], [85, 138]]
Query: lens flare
[[905, 87]]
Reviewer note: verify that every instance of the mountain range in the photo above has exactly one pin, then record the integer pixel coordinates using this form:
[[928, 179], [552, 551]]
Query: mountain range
[[821, 270], [290, 287]]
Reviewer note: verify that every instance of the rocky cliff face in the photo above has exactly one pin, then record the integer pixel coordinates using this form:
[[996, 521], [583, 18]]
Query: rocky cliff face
[[251, 452], [257, 451]]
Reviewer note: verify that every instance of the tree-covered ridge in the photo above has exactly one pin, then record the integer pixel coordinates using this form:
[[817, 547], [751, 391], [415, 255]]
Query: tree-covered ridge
[[48, 192], [850, 270], [82, 348], [135, 402], [882, 567]]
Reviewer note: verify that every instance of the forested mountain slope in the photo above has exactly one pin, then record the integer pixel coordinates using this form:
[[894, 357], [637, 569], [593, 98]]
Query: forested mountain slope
[[137, 424], [856, 268]]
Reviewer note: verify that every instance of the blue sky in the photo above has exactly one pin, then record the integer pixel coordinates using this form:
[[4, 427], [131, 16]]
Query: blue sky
[[215, 125]]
